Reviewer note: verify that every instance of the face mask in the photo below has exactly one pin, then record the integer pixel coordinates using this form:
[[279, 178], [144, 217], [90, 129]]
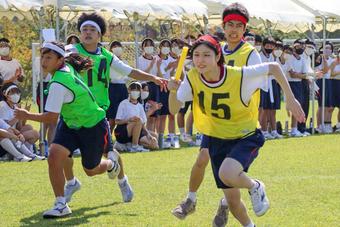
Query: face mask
[[299, 51], [177, 51], [328, 52], [135, 94], [268, 51], [258, 48], [118, 51], [14, 98], [309, 51], [144, 95], [277, 53], [4, 51], [165, 50], [148, 50], [252, 42]]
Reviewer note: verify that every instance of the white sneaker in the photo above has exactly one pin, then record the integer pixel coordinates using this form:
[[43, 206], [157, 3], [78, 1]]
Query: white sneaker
[[70, 189], [23, 159], [296, 133], [175, 143], [328, 129], [166, 143], [186, 138], [259, 199], [267, 135], [276, 135], [58, 210], [113, 173], [138, 148], [306, 133], [38, 157], [126, 191], [119, 146]]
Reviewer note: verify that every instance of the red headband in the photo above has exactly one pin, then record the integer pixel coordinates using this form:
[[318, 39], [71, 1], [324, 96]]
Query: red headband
[[211, 40], [234, 16]]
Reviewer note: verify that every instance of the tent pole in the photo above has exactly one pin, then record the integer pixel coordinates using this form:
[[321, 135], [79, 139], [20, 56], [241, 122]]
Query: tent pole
[[324, 21], [313, 87]]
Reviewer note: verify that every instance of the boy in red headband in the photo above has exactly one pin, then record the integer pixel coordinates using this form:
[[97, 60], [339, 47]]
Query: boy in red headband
[[239, 53]]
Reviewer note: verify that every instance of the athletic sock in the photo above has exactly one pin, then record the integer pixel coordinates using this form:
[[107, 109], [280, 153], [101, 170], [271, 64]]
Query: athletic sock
[[224, 202], [10, 148], [72, 181], [182, 131], [61, 199], [121, 181], [251, 224], [192, 196]]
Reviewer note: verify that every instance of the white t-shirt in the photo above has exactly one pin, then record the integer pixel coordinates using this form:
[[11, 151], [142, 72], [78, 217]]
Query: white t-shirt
[[254, 77], [254, 58], [308, 61], [329, 62], [164, 64], [337, 70], [117, 77], [4, 125], [126, 110], [144, 63], [8, 68], [119, 70], [285, 67], [6, 112], [58, 95], [297, 66]]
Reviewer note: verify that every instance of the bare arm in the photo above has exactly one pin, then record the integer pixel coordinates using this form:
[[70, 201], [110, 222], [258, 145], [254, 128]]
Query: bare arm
[[333, 65], [47, 117], [174, 104]]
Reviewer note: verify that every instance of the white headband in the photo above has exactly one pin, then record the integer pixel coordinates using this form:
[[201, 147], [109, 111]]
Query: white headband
[[9, 88], [70, 49], [92, 23], [54, 47]]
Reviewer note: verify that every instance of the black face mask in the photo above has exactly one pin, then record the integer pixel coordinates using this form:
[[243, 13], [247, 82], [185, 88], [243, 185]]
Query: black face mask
[[299, 51], [268, 51]]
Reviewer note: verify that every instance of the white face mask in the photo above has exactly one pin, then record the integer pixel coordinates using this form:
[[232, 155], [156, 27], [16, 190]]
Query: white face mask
[[258, 48], [177, 51], [277, 53], [252, 42], [328, 52], [135, 94], [4, 51], [149, 50], [165, 50], [14, 98], [118, 51], [144, 95], [309, 51]]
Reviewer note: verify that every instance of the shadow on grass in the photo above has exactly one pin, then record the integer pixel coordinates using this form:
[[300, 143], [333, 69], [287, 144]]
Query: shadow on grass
[[77, 217]]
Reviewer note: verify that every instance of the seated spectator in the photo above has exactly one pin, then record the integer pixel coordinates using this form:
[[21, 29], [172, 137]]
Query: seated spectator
[[12, 97], [10, 68], [131, 120], [72, 39], [11, 141]]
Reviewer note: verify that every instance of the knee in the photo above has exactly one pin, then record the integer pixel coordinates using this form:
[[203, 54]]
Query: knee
[[89, 172], [226, 176], [203, 159]]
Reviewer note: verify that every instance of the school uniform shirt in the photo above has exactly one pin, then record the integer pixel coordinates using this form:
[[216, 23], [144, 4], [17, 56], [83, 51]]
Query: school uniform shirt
[[285, 67], [143, 63], [337, 69], [328, 74], [126, 110], [308, 62], [4, 125], [298, 66], [6, 112], [223, 107], [117, 77], [8, 68]]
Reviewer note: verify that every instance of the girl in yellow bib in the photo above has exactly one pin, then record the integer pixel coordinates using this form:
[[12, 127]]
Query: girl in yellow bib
[[221, 96]]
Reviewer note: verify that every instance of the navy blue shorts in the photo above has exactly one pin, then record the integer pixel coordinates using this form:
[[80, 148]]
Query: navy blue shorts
[[92, 142], [205, 142], [184, 109], [296, 87], [328, 92], [336, 93], [122, 136], [265, 101], [154, 95], [243, 150], [164, 99], [117, 93]]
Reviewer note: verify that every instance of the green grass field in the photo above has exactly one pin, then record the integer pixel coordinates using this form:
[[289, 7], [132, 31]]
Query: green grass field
[[302, 177]]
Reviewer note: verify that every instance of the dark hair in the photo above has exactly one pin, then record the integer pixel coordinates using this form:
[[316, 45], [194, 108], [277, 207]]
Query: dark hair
[[179, 42], [268, 40], [299, 41], [114, 44], [146, 40], [236, 8], [135, 85], [209, 45], [92, 17], [4, 40], [144, 85], [258, 38], [287, 47], [79, 63], [278, 43], [309, 42], [327, 43], [163, 41], [58, 44], [70, 37], [248, 33], [189, 36]]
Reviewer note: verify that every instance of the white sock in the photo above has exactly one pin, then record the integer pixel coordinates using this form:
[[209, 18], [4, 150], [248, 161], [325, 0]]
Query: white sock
[[134, 145], [251, 224], [264, 132], [61, 199], [10, 148], [192, 196], [182, 131], [224, 202], [23, 149], [255, 186], [121, 181], [72, 181], [274, 131]]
